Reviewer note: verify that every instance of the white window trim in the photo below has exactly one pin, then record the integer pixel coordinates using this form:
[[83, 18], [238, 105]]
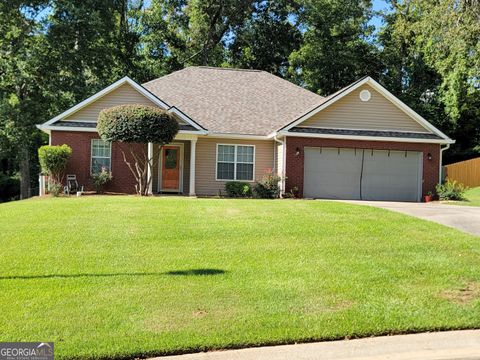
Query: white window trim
[[99, 157], [235, 163]]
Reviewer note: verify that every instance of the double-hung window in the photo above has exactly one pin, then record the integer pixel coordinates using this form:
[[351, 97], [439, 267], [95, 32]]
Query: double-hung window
[[235, 162], [101, 156]]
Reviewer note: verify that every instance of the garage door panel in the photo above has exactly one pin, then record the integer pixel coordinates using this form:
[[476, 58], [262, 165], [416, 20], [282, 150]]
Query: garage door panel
[[334, 173], [391, 175], [331, 173]]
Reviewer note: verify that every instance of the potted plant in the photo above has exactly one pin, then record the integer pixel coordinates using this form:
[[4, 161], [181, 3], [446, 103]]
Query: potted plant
[[428, 197]]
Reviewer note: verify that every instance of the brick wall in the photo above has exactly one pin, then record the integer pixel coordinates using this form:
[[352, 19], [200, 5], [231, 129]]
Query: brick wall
[[79, 164], [294, 164]]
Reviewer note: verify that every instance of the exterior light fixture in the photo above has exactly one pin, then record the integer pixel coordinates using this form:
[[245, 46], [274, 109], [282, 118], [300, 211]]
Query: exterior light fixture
[[297, 151], [429, 156]]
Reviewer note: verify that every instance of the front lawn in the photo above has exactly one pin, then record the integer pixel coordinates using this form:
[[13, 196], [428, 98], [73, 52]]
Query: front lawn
[[128, 276]]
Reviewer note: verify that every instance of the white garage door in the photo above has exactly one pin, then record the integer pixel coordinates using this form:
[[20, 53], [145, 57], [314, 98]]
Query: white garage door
[[362, 174]]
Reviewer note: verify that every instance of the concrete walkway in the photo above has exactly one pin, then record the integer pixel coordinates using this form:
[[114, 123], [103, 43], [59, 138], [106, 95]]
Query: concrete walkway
[[449, 345], [464, 218]]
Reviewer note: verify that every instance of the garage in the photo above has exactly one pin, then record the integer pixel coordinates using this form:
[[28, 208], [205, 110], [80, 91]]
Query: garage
[[362, 174]]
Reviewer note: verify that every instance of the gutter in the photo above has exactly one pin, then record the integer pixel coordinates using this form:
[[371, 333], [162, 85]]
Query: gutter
[[284, 152], [442, 149]]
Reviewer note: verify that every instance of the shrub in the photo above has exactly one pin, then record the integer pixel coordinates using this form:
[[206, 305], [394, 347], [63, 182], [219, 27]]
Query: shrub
[[451, 190], [53, 161], [9, 187], [238, 189], [268, 187], [55, 188], [292, 194], [100, 179]]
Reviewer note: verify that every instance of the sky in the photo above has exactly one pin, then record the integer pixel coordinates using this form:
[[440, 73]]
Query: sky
[[378, 5]]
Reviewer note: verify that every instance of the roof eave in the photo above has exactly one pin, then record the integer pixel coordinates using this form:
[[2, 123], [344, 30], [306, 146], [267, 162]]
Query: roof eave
[[366, 138]]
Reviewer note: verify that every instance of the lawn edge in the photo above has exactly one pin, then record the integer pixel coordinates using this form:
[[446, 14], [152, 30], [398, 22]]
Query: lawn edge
[[307, 340]]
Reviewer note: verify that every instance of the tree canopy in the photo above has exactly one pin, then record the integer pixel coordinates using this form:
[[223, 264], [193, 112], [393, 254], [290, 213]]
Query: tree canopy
[[55, 53]]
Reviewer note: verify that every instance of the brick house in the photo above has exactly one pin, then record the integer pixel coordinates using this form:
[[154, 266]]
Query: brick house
[[235, 125]]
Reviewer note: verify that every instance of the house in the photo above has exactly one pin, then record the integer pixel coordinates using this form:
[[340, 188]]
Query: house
[[358, 143]]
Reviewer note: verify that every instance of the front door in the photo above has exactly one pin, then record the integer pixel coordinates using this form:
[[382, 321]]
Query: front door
[[171, 168]]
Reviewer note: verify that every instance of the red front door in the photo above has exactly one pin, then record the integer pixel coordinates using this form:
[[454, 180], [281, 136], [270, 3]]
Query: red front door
[[171, 168]]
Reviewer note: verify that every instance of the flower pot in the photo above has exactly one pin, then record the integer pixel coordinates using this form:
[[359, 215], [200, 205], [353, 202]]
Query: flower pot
[[428, 198]]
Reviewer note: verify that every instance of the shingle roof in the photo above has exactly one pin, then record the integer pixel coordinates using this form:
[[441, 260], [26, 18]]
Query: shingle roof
[[234, 101], [377, 133], [93, 125]]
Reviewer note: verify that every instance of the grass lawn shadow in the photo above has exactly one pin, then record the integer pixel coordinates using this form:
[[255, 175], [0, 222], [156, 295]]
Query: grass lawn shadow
[[190, 272], [196, 272]]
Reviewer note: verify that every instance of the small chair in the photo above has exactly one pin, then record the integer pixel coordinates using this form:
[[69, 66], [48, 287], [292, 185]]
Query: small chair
[[72, 185]]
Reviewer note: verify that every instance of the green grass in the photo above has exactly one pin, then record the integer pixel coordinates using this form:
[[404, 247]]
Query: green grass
[[472, 197], [111, 277]]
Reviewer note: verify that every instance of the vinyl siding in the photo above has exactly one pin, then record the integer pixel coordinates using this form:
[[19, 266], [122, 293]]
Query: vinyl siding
[[376, 114], [205, 183], [125, 94]]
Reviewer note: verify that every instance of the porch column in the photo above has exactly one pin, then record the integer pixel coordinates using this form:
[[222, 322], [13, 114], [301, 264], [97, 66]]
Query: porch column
[[149, 171], [193, 145]]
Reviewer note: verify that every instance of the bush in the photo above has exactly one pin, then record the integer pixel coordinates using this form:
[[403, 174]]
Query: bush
[[451, 190], [9, 187], [268, 187], [238, 189], [100, 179], [292, 194], [137, 124], [55, 188], [53, 160]]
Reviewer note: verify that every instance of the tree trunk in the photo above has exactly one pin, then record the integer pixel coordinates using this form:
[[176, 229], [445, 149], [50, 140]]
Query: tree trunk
[[24, 175]]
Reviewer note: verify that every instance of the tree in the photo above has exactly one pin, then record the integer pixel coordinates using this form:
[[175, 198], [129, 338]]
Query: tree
[[406, 73], [454, 52], [436, 72], [267, 38], [137, 124], [22, 74], [164, 37], [211, 22], [335, 50]]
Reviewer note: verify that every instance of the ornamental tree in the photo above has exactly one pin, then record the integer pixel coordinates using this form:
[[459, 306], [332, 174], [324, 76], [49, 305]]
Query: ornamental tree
[[137, 124]]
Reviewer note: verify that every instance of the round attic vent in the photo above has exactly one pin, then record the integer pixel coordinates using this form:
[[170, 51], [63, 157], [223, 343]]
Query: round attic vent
[[365, 95]]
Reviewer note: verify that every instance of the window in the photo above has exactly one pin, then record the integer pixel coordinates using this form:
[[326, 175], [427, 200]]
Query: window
[[235, 162], [101, 155]]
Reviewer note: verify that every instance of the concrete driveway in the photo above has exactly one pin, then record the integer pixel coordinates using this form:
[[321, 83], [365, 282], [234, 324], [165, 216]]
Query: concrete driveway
[[451, 345], [464, 218]]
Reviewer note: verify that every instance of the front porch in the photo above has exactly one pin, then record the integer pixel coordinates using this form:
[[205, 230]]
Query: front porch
[[174, 167]]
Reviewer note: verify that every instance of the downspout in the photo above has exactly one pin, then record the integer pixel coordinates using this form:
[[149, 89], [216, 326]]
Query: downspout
[[442, 149], [282, 183]]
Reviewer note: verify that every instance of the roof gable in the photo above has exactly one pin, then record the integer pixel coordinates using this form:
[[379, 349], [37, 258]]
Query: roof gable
[[350, 112], [380, 90], [123, 95], [123, 91]]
